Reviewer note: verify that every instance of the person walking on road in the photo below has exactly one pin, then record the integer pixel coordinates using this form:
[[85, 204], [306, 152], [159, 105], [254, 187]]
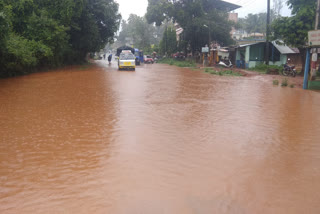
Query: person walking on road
[[109, 58]]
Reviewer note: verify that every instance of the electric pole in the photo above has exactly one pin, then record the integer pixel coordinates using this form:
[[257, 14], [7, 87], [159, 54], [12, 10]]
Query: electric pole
[[317, 16], [267, 32]]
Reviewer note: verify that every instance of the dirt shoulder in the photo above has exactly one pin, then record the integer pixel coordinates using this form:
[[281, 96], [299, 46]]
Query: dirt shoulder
[[297, 81]]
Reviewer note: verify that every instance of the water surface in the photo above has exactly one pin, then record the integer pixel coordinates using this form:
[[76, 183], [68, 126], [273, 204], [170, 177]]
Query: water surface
[[158, 140]]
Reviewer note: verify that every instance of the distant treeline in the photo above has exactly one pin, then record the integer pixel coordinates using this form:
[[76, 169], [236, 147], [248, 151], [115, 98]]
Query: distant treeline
[[38, 34]]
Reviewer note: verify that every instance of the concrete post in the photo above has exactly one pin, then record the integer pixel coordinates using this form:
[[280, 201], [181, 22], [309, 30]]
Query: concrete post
[[306, 70]]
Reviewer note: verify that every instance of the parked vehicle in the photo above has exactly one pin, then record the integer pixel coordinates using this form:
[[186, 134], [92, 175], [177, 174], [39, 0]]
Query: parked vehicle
[[226, 63], [148, 59], [126, 61], [155, 59], [124, 48], [289, 70], [179, 56], [139, 56]]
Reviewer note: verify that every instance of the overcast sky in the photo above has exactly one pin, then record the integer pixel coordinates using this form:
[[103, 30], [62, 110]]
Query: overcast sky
[[139, 7]]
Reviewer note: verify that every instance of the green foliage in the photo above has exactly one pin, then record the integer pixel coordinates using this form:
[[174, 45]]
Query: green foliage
[[137, 32], [293, 30], [284, 82], [168, 44], [199, 20], [178, 63], [263, 68], [222, 73], [275, 82], [255, 22], [46, 33], [292, 85]]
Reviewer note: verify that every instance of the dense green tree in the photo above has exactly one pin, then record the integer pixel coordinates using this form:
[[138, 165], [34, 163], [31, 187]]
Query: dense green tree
[[137, 32], [199, 19], [253, 23], [168, 44], [294, 30], [36, 33]]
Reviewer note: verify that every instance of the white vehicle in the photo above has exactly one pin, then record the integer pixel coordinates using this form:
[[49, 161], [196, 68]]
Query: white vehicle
[[126, 61], [226, 63]]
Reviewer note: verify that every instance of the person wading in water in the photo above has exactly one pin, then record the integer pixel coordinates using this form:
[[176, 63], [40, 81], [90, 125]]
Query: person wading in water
[[109, 58]]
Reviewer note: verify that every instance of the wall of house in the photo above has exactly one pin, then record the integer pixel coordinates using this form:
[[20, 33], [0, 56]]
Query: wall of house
[[253, 64], [247, 56], [254, 56], [295, 59]]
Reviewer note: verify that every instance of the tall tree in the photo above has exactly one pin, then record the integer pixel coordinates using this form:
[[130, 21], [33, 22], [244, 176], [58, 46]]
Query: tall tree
[[168, 44], [293, 30], [199, 19], [277, 7], [255, 22], [36, 33], [139, 33]]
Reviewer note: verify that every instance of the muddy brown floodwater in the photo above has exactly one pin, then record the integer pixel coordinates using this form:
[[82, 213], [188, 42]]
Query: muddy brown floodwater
[[158, 140]]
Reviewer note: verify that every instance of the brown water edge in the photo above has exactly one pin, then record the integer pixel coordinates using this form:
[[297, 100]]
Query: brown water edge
[[292, 81], [158, 140]]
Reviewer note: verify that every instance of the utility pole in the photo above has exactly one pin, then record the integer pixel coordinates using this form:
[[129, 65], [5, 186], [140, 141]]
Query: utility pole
[[317, 16], [314, 56], [267, 32]]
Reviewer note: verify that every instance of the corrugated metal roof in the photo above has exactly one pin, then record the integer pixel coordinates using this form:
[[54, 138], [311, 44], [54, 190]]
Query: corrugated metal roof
[[220, 5], [245, 45], [283, 49]]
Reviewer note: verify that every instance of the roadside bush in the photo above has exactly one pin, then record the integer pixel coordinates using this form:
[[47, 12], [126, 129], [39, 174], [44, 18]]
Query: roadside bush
[[222, 73], [275, 82], [178, 63], [263, 68], [284, 82]]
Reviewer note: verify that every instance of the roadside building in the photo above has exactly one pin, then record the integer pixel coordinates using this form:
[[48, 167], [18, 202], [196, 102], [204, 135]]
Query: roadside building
[[251, 55]]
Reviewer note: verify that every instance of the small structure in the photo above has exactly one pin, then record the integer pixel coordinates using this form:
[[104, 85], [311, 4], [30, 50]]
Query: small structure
[[251, 55]]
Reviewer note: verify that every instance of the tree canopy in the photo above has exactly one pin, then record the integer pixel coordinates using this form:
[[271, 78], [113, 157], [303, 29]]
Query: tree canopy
[[293, 30], [168, 44], [37, 33], [137, 32], [200, 21]]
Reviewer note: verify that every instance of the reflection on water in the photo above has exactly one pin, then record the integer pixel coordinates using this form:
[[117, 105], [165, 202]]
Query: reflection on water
[[157, 140]]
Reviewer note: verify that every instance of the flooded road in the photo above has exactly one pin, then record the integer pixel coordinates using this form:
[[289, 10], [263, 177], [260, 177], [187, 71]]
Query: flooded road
[[158, 140]]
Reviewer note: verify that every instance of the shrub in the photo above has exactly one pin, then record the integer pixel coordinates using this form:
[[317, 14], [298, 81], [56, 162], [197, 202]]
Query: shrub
[[263, 68], [284, 82], [275, 82], [178, 63], [222, 73], [291, 85]]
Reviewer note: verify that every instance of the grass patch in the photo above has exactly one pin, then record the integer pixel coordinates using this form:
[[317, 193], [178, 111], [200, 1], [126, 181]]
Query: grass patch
[[85, 66], [265, 69], [291, 85], [222, 73], [185, 63], [284, 82], [275, 82]]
